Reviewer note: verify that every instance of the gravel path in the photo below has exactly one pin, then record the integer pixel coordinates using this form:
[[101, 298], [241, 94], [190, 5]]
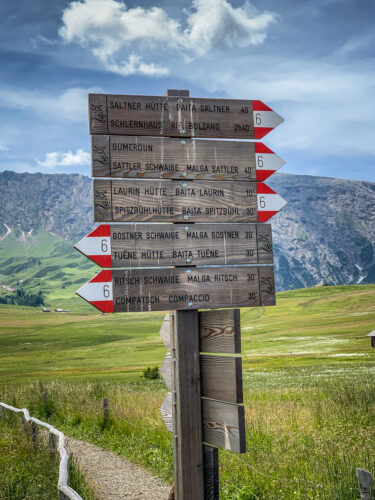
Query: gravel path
[[114, 478]]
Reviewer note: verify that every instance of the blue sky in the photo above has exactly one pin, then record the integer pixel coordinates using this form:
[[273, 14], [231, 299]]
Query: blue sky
[[311, 60]]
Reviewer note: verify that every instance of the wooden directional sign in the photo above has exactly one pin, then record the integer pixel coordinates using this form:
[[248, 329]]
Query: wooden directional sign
[[223, 423], [128, 200], [179, 288], [221, 377], [180, 116], [167, 158], [146, 245], [166, 411], [219, 331]]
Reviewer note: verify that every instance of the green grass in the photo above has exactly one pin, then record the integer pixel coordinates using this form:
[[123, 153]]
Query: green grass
[[308, 387], [45, 262], [30, 474]]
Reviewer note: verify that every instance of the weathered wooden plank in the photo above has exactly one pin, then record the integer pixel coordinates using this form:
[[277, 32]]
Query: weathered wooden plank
[[165, 332], [267, 286], [181, 116], [220, 331], [148, 245], [175, 289], [166, 411], [264, 244], [188, 159], [221, 378], [174, 201], [142, 200], [224, 425], [98, 113], [211, 472], [189, 481], [364, 483], [166, 371]]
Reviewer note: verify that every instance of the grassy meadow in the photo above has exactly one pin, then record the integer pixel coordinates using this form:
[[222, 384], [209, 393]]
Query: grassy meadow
[[309, 389], [27, 473]]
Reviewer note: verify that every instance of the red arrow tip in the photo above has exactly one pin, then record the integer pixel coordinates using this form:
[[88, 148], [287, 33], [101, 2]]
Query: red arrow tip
[[102, 230], [105, 306], [260, 106]]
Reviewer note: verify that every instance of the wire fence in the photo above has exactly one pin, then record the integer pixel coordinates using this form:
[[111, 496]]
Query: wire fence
[[64, 490]]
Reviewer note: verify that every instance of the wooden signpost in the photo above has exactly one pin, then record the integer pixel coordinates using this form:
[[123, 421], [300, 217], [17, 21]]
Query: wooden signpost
[[128, 200], [165, 289], [148, 245], [179, 116], [188, 159], [162, 172]]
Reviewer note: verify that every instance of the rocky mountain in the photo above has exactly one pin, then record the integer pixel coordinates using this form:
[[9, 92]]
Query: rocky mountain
[[325, 235]]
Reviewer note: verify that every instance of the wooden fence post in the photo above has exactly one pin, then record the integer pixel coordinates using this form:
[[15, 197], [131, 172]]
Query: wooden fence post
[[34, 434], [105, 410], [188, 450], [52, 443], [364, 483]]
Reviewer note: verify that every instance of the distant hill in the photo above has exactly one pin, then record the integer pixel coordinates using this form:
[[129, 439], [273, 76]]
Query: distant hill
[[325, 235]]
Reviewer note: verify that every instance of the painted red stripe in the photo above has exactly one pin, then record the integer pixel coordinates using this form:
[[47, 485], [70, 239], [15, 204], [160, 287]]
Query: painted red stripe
[[265, 216], [262, 175], [260, 106], [105, 306], [102, 277], [102, 260], [260, 132], [264, 189], [102, 230], [261, 148]]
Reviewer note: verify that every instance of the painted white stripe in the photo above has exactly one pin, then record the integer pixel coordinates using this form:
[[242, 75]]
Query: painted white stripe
[[96, 291], [270, 202], [268, 119], [267, 161], [94, 245]]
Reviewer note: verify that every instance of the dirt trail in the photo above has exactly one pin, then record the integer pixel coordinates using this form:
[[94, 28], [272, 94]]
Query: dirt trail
[[114, 478]]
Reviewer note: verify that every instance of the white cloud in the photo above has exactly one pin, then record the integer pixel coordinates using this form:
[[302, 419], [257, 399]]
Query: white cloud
[[108, 28], [70, 105], [3, 148], [68, 159]]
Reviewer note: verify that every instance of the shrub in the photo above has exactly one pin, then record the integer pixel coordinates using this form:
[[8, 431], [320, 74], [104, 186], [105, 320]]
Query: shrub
[[151, 373]]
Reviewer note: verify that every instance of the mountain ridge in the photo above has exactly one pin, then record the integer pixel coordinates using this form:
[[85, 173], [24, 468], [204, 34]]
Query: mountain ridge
[[324, 235]]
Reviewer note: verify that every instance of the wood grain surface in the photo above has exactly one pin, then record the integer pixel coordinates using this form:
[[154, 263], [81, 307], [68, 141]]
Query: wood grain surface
[[165, 332], [170, 116], [166, 371], [180, 288], [172, 158], [221, 378], [145, 245], [211, 472], [220, 331], [188, 452], [166, 411], [224, 425], [129, 200]]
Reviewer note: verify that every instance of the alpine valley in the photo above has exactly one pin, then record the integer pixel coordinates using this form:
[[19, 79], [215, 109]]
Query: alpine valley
[[324, 236]]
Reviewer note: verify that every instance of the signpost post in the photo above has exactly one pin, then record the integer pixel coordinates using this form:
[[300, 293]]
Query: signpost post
[[163, 170]]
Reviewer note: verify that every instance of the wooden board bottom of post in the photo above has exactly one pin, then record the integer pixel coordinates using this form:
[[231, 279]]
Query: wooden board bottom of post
[[162, 289]]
